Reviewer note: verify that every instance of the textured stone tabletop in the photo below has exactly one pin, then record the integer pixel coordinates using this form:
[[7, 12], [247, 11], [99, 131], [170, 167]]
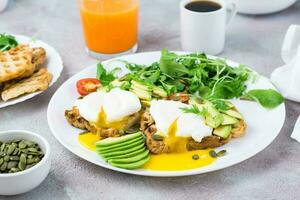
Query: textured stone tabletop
[[253, 40]]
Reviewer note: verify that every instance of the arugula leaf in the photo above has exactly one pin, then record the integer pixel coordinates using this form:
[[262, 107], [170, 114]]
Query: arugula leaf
[[170, 66], [268, 98], [105, 77], [7, 42], [195, 110]]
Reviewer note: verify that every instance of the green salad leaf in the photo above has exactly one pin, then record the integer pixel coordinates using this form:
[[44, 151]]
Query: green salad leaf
[[195, 74], [105, 77], [7, 42], [268, 98]]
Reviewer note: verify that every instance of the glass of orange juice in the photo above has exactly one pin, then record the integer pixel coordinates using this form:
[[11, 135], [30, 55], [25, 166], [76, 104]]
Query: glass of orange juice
[[110, 27]]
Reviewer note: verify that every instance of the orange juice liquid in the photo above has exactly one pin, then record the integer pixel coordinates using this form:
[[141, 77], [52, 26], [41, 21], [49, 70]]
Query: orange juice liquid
[[109, 26]]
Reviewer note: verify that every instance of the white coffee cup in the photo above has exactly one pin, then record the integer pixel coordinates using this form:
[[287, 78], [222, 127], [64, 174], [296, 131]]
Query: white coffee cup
[[205, 31]]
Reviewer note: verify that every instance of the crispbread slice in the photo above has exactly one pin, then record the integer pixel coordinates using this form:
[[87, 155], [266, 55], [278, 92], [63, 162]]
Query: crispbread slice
[[15, 62], [39, 81]]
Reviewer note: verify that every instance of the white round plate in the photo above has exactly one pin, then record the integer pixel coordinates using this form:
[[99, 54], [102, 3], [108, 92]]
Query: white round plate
[[53, 63], [263, 125]]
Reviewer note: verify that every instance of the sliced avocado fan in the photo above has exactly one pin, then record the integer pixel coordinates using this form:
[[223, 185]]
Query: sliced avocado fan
[[127, 152]]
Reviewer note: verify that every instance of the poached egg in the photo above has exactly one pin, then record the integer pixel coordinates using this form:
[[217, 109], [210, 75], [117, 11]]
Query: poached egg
[[177, 126], [108, 109]]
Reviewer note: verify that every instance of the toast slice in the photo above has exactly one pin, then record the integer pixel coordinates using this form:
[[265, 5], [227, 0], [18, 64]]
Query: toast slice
[[39, 81]]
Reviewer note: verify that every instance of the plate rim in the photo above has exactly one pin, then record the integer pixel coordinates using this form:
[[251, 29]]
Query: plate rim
[[54, 79], [153, 173]]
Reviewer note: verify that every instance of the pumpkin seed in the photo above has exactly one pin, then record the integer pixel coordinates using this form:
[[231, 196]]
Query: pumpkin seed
[[16, 151], [6, 158], [11, 148], [2, 147], [14, 158], [19, 155], [213, 154], [221, 153], [22, 145], [195, 157], [14, 169], [12, 164], [2, 154], [3, 166], [32, 149], [23, 158], [21, 165], [157, 137], [29, 143]]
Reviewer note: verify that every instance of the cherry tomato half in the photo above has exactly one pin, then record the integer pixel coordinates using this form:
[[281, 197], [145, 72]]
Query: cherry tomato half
[[87, 85]]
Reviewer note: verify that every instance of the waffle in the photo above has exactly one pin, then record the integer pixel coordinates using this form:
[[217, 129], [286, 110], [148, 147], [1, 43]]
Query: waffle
[[38, 58], [15, 62], [39, 81]]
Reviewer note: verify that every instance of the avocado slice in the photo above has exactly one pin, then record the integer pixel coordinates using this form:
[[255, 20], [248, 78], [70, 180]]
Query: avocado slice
[[234, 114], [116, 140], [126, 155], [121, 152], [223, 131], [120, 144], [227, 120], [157, 91], [142, 94], [130, 159], [139, 86], [214, 117], [128, 146], [133, 165]]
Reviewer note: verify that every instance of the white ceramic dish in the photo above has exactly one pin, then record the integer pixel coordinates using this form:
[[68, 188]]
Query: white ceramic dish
[[53, 63], [24, 181], [264, 125], [3, 5], [259, 7]]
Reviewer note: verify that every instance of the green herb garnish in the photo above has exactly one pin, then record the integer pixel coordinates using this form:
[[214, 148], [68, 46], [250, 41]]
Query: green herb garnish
[[195, 110], [7, 42]]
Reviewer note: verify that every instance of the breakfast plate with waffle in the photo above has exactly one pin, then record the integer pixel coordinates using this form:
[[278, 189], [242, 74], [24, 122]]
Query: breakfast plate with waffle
[[27, 68]]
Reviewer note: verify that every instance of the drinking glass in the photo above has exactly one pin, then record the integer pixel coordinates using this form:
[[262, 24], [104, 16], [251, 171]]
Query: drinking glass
[[110, 27]]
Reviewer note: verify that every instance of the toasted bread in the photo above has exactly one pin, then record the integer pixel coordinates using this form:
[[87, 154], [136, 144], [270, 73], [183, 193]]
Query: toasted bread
[[39, 81]]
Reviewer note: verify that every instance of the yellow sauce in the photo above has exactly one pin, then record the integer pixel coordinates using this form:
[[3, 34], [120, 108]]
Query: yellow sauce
[[179, 161], [88, 140]]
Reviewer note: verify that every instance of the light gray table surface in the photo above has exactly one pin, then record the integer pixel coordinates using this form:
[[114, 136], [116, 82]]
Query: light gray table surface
[[256, 41]]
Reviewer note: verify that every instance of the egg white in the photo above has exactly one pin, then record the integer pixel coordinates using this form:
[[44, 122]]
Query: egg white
[[117, 104], [165, 112]]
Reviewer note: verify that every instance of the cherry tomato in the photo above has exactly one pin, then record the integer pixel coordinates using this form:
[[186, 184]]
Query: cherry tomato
[[87, 85]]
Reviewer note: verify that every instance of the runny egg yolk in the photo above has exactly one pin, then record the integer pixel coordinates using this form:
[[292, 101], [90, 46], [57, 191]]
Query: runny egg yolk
[[177, 144], [103, 123], [179, 157], [88, 140]]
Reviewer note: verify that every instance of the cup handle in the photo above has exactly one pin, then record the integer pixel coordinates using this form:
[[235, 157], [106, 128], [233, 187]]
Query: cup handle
[[231, 11]]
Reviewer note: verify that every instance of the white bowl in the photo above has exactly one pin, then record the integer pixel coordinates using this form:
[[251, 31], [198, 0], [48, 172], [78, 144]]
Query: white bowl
[[24, 181], [259, 7]]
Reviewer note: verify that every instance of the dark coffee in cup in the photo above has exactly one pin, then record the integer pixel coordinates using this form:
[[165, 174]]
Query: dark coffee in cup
[[203, 6]]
